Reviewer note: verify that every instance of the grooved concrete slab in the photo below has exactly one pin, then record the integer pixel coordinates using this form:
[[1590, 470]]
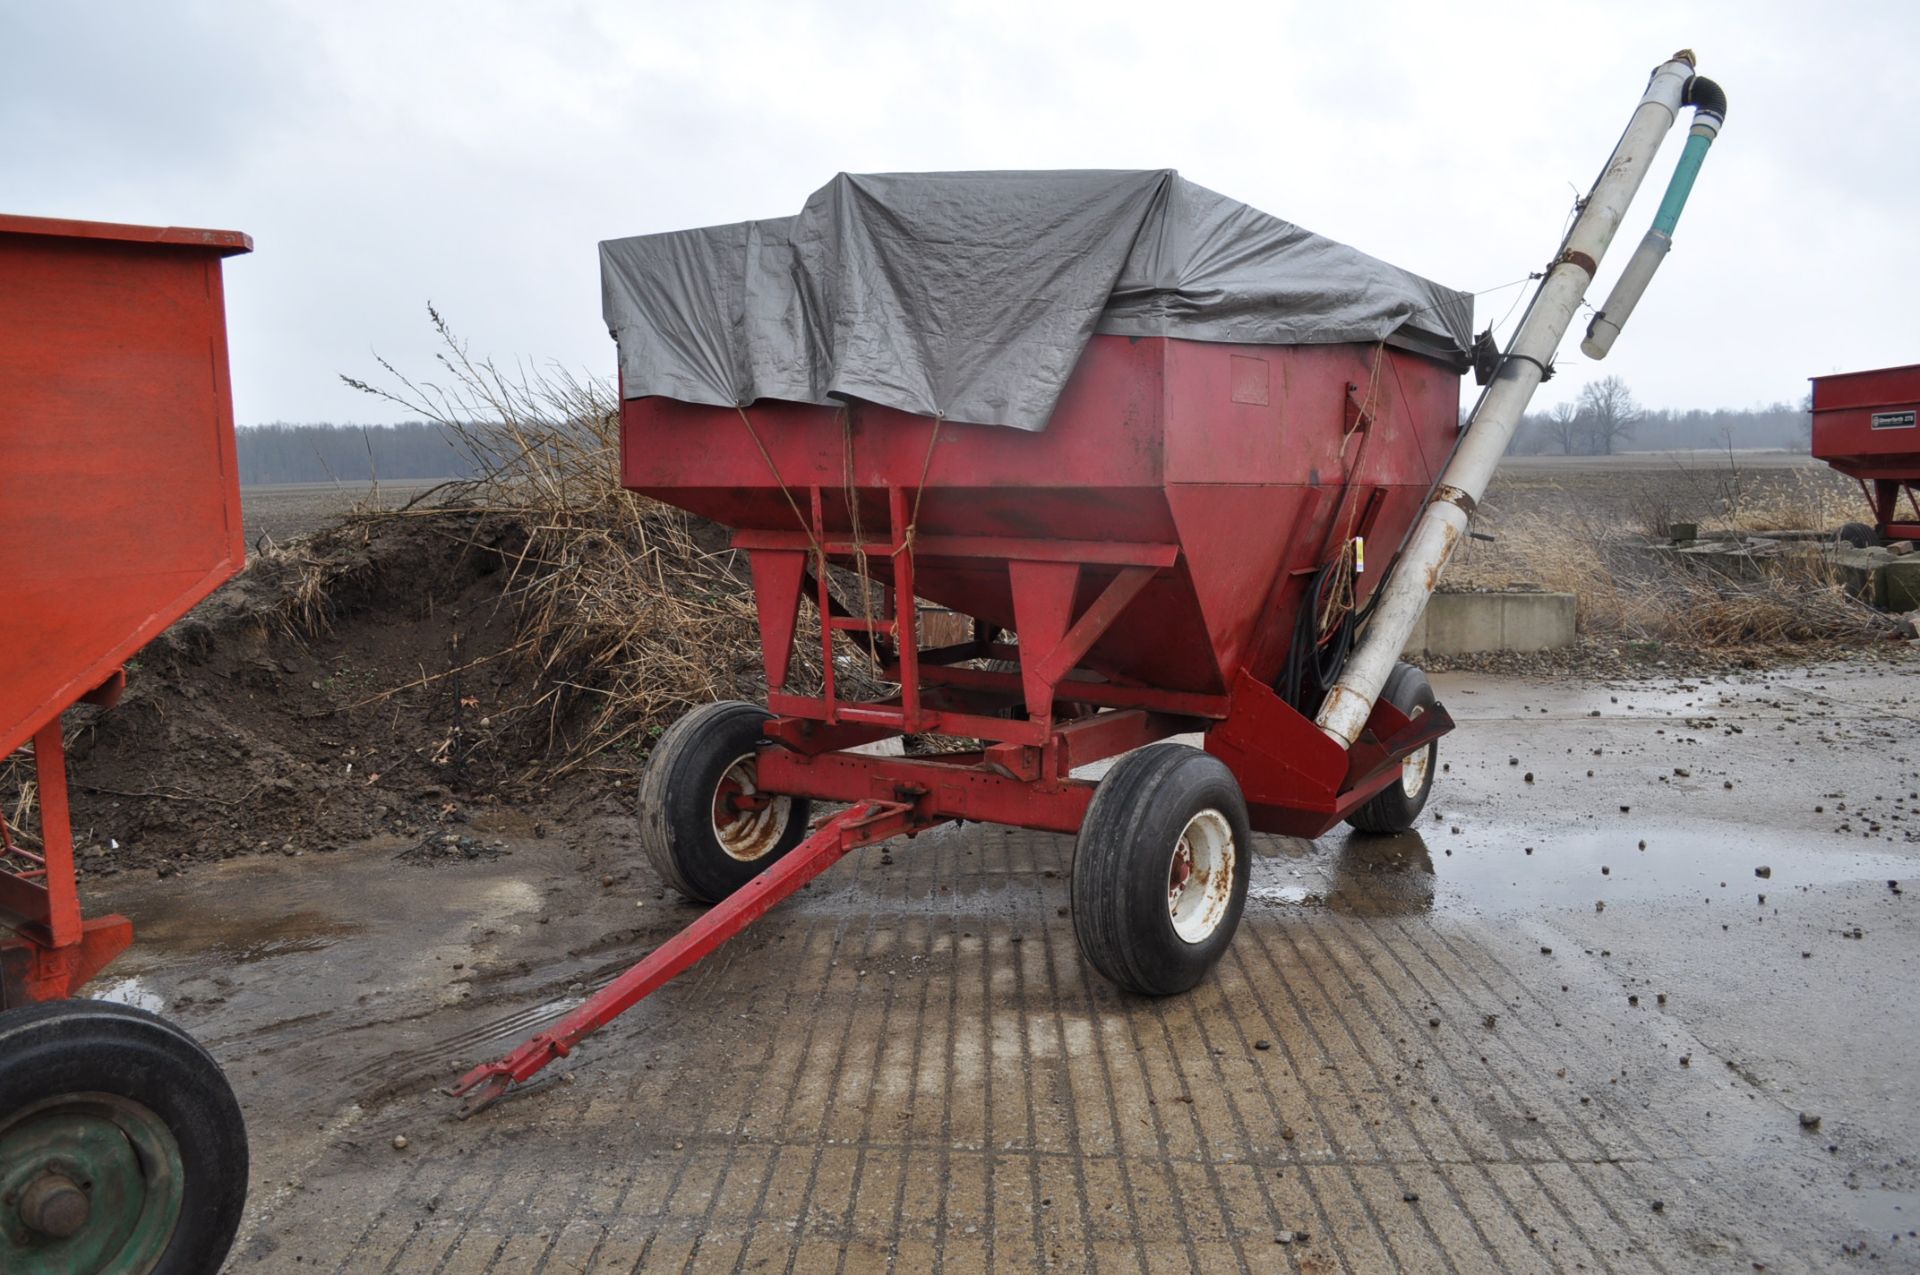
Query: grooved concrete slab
[[1433, 1052]]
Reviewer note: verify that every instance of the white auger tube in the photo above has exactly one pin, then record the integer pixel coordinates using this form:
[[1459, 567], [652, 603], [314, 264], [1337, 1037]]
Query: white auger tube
[[1404, 596]]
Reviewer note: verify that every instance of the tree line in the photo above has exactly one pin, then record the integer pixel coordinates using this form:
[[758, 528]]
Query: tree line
[[1605, 419], [282, 453]]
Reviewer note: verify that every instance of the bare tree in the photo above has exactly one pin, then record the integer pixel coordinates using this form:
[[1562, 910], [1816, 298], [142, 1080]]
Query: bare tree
[[1564, 426], [1610, 412]]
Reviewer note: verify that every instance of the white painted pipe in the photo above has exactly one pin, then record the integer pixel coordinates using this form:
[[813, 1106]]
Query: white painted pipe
[[1606, 325], [1350, 700]]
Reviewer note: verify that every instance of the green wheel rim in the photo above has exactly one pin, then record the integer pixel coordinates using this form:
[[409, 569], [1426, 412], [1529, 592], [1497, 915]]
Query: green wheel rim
[[119, 1155]]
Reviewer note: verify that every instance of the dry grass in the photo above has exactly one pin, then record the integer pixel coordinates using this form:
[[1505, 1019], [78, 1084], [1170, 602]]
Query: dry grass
[[626, 613], [1730, 497], [1628, 594], [1796, 500]]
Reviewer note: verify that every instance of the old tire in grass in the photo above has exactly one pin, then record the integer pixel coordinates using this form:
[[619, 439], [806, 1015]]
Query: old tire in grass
[[1160, 869], [706, 827], [1857, 535], [122, 1150], [1396, 806]]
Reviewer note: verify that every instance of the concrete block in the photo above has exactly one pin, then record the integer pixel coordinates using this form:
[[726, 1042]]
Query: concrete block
[[1858, 571], [1417, 640], [1536, 621], [1900, 585], [1463, 623], [1475, 623]]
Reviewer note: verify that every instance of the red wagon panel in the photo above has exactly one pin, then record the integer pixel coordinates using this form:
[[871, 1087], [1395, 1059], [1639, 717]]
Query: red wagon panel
[[1867, 426], [119, 493], [1246, 462]]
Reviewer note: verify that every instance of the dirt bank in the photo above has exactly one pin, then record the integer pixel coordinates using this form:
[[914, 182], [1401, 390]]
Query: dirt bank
[[382, 676]]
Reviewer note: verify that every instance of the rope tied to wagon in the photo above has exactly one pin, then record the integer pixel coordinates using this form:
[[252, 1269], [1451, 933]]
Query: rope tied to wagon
[[851, 495], [792, 504]]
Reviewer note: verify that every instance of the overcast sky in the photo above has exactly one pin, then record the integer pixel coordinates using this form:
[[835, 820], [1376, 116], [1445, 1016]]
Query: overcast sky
[[472, 154]]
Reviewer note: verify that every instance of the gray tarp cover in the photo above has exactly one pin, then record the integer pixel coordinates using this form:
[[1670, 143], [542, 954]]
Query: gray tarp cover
[[969, 296]]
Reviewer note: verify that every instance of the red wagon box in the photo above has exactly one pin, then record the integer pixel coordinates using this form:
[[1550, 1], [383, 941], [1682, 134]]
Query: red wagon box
[[119, 510], [1150, 549], [1867, 426], [121, 1142]]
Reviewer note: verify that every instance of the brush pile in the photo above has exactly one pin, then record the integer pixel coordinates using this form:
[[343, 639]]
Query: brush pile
[[624, 612]]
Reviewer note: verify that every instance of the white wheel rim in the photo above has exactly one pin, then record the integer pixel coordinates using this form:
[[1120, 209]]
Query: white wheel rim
[[1414, 771], [743, 832], [1200, 876]]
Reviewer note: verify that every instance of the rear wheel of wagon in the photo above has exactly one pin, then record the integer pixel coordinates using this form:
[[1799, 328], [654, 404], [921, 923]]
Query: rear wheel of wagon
[[122, 1150], [1160, 869], [705, 824], [1398, 805]]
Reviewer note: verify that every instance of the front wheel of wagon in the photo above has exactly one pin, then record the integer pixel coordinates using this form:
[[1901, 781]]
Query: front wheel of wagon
[[1160, 869], [705, 824], [122, 1150], [1398, 805]]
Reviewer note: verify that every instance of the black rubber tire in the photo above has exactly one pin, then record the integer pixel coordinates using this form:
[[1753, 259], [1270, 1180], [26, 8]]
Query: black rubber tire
[[83, 1046], [1394, 809], [676, 801], [1858, 535], [1121, 861]]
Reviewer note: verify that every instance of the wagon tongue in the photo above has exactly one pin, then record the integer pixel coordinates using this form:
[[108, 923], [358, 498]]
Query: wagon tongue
[[857, 826]]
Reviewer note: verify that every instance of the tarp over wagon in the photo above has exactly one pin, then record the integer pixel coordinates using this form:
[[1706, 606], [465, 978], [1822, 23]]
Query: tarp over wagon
[[969, 296]]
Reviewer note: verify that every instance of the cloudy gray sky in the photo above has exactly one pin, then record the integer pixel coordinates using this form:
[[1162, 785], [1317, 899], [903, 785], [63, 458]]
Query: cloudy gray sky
[[471, 154]]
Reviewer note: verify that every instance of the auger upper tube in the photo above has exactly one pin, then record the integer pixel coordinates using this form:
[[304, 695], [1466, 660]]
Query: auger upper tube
[[1404, 596]]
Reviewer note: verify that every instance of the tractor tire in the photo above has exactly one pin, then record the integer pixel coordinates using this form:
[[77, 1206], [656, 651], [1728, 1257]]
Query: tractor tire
[[700, 843], [1398, 805], [1160, 869], [1857, 535], [121, 1146]]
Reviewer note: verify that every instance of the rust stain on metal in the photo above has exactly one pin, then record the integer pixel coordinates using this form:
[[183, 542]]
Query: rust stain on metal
[[1335, 706], [1450, 536], [1582, 260], [1458, 497]]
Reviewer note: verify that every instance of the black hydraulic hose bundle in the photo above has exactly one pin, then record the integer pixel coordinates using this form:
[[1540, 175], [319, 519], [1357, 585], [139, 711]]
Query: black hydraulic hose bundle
[[1316, 655]]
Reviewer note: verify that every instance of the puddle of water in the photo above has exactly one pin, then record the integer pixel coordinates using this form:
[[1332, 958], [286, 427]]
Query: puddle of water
[[1885, 1212], [1699, 862], [136, 992], [1371, 874], [1285, 895], [245, 943], [1493, 873], [237, 937]]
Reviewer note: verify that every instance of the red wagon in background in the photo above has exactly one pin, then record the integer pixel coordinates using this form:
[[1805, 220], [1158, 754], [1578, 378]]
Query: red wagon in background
[[121, 1146], [1864, 425]]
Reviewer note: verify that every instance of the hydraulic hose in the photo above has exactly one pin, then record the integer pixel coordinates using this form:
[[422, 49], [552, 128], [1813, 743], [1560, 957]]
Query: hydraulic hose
[[1709, 103]]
